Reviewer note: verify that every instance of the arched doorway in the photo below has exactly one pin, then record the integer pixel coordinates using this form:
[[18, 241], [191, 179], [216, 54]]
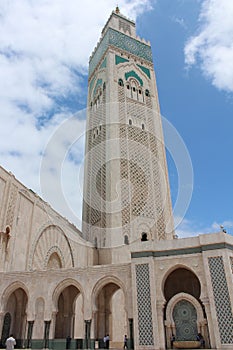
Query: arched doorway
[[110, 315], [15, 317], [185, 318], [184, 312], [65, 318]]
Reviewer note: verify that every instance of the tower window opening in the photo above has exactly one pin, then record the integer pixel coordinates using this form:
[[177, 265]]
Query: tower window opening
[[140, 92], [126, 240], [144, 237], [134, 89], [104, 86], [127, 86], [120, 82], [147, 93], [143, 127], [130, 122]]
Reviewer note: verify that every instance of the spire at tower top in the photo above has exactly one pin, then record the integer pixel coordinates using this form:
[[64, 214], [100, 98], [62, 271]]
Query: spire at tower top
[[117, 9]]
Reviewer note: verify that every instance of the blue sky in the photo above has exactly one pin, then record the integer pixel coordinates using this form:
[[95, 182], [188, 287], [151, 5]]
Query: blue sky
[[199, 107], [43, 83]]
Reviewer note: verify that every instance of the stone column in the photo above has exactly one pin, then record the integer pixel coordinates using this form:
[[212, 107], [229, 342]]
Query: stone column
[[131, 335], [94, 331], [53, 324], [29, 334], [1, 324], [87, 334], [46, 333], [169, 330], [206, 304], [160, 317]]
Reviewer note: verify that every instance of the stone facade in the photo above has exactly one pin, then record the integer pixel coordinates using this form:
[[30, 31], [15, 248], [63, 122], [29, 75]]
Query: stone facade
[[126, 190], [125, 273]]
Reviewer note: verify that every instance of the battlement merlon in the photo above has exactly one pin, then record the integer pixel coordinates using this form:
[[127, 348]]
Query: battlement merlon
[[118, 21], [122, 29]]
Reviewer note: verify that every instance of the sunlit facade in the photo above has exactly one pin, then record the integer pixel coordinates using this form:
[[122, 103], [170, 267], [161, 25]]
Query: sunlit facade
[[126, 272]]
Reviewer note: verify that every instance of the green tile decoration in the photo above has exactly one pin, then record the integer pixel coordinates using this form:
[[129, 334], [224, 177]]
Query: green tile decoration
[[145, 70], [123, 42], [119, 59], [134, 75]]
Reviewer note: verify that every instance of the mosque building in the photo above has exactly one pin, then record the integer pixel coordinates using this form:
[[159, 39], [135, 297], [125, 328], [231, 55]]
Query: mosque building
[[126, 271]]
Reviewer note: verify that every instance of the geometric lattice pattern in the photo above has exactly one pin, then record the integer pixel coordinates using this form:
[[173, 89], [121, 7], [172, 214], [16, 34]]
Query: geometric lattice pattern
[[185, 318], [221, 299], [141, 148], [144, 305]]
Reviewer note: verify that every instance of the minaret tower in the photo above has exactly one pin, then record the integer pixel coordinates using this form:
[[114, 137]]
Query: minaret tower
[[126, 189]]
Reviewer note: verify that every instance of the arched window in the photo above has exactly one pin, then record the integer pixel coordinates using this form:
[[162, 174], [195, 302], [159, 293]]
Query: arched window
[[54, 261], [120, 82], [130, 122], [126, 239], [140, 95], [147, 93], [143, 127]]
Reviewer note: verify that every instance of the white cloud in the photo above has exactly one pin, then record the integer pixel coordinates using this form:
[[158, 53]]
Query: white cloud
[[189, 228], [44, 50], [180, 21], [212, 47]]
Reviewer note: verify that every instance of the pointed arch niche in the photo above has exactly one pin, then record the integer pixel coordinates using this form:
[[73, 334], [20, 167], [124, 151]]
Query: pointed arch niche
[[110, 316], [51, 250], [68, 298], [15, 317]]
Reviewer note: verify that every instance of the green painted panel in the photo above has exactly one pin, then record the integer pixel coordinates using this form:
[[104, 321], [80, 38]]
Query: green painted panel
[[133, 74], [119, 59], [104, 63], [99, 83], [92, 83], [145, 70]]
